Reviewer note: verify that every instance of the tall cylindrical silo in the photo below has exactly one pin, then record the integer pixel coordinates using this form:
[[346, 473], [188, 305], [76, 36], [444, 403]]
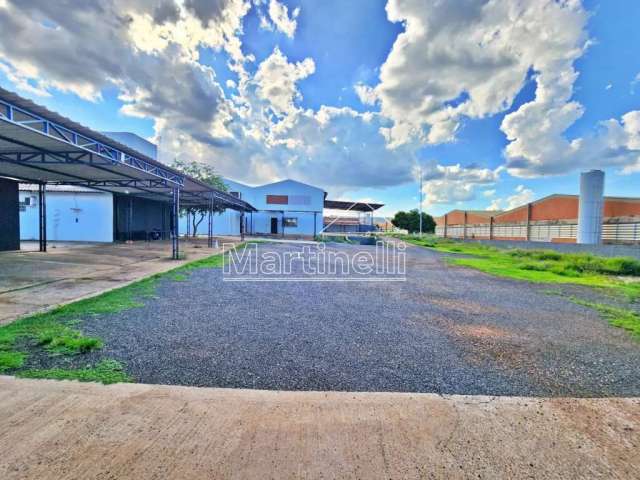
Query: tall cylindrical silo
[[590, 207]]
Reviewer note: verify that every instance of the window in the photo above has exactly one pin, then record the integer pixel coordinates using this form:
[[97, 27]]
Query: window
[[290, 222], [278, 199], [235, 194]]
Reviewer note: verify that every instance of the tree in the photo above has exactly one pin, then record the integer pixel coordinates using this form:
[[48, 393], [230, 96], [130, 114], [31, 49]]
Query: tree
[[205, 174], [410, 221]]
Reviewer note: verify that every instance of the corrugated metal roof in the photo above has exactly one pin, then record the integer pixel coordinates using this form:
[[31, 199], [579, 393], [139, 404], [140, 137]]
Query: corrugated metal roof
[[32, 187], [19, 139]]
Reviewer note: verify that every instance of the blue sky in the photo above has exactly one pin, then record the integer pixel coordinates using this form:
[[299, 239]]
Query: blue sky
[[263, 92]]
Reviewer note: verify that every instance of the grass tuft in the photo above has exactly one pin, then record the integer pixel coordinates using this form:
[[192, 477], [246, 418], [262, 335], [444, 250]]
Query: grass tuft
[[10, 360], [70, 343], [106, 371]]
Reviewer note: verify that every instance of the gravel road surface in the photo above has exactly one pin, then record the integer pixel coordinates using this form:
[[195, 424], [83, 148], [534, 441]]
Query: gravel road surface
[[444, 329]]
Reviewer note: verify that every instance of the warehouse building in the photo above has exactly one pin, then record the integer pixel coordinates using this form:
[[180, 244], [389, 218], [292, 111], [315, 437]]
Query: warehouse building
[[551, 219], [40, 147], [289, 208]]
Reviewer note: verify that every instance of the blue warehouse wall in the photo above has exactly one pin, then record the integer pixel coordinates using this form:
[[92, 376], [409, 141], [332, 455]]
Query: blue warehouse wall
[[305, 203], [226, 223], [304, 207], [71, 216]]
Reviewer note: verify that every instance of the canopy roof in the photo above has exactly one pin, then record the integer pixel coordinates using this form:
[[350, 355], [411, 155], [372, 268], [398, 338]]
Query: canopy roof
[[40, 146], [353, 206]]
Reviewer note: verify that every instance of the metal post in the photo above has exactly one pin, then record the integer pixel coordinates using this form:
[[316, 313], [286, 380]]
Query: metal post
[[314, 224], [130, 220], [283, 224], [464, 229], [42, 217], [176, 225], [210, 229], [446, 221], [528, 232], [491, 228], [242, 226], [420, 193]]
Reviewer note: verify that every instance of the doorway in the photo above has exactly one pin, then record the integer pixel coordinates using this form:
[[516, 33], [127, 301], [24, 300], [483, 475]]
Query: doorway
[[274, 226]]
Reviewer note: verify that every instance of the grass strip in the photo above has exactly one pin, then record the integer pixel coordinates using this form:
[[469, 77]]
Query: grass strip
[[541, 266], [105, 371]]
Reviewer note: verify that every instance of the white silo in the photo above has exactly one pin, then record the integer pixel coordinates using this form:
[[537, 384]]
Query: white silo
[[590, 207]]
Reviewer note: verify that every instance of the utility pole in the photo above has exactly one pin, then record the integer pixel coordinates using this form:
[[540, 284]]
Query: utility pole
[[420, 197]]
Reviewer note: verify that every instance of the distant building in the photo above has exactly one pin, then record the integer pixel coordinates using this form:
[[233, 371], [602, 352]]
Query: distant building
[[550, 219], [285, 208]]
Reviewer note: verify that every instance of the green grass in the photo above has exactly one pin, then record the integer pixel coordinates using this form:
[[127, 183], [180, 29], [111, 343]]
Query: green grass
[[56, 331], [618, 317], [10, 360], [541, 266], [106, 371]]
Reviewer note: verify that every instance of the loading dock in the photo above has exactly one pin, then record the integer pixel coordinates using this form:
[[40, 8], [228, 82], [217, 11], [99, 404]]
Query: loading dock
[[41, 147]]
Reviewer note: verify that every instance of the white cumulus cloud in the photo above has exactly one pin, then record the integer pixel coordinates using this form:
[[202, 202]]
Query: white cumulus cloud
[[279, 14], [521, 196], [445, 184]]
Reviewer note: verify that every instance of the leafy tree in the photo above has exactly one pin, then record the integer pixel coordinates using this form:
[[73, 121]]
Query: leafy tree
[[205, 174], [410, 221]]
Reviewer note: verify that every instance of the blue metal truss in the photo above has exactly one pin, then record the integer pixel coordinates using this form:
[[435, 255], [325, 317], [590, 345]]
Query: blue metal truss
[[42, 125]]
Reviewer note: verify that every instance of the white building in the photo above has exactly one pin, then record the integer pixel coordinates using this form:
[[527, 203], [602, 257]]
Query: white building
[[73, 214], [285, 208]]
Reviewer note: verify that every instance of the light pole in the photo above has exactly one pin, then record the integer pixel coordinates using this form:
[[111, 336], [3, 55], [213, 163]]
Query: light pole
[[420, 197]]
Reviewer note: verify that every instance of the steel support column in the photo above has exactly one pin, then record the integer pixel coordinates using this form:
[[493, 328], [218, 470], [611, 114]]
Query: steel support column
[[464, 229], [130, 221], [42, 214], [210, 227], [175, 228], [242, 226]]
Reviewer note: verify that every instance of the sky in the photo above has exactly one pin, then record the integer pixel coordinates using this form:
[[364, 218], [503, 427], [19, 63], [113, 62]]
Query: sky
[[494, 103]]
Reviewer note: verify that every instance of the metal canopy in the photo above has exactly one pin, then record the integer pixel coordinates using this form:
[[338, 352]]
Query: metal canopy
[[40, 146], [353, 206]]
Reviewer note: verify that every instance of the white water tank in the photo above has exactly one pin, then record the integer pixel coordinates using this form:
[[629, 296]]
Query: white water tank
[[590, 207]]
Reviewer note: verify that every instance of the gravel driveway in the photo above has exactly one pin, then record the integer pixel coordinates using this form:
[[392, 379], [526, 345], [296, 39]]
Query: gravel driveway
[[445, 329]]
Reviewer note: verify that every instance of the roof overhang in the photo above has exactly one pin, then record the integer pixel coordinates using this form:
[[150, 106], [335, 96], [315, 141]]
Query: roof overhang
[[39, 146], [352, 206]]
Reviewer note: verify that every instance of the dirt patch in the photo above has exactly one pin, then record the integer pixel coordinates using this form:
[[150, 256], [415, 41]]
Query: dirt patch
[[481, 331]]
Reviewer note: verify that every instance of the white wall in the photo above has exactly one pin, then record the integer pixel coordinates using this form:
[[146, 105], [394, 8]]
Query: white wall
[[71, 216]]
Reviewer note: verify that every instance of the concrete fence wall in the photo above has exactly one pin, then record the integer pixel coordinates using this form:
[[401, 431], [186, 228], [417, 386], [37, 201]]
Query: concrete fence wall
[[623, 233]]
